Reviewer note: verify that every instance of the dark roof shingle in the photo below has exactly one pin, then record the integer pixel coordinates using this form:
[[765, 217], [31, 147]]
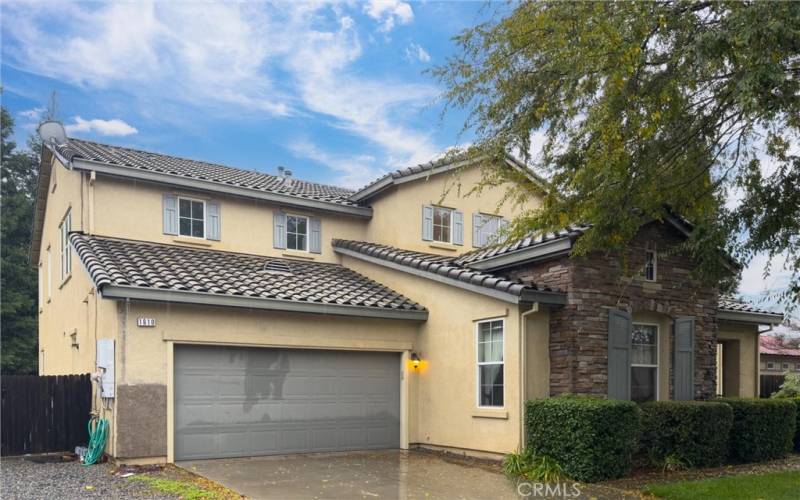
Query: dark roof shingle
[[200, 170], [520, 244], [440, 265], [729, 303], [146, 265]]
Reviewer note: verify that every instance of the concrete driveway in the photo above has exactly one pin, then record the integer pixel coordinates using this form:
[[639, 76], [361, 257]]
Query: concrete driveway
[[369, 474]]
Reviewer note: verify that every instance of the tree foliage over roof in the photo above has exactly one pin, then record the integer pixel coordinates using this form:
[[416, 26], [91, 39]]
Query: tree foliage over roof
[[636, 109]]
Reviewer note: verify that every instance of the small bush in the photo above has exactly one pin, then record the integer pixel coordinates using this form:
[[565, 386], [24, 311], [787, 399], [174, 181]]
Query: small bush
[[592, 439], [690, 433], [763, 429], [790, 388], [528, 466]]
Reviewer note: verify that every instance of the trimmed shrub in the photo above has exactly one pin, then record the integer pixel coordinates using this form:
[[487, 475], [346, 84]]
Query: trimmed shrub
[[592, 439], [692, 433], [763, 429], [797, 426]]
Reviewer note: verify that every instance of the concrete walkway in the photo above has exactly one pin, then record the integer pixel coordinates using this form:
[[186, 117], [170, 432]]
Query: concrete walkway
[[373, 474]]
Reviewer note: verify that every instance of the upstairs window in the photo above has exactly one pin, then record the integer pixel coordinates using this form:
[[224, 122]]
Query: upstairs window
[[66, 252], [486, 229], [297, 232], [442, 224], [650, 265], [490, 363], [191, 217], [644, 362]]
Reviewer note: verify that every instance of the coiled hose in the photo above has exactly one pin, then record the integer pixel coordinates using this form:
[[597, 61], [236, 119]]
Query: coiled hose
[[98, 431]]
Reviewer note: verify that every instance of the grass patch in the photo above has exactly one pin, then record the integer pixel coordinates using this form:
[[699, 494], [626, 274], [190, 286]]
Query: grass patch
[[775, 486], [186, 490]]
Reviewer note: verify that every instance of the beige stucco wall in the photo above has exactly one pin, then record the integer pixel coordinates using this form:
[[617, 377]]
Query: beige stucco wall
[[146, 353], [446, 385], [133, 210], [747, 335], [397, 213]]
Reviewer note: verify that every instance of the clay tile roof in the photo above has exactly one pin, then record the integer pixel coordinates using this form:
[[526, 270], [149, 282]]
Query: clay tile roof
[[732, 304], [442, 265], [778, 346], [200, 170], [147, 265], [520, 244]]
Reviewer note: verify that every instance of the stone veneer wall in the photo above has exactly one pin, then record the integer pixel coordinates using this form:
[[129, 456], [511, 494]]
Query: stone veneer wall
[[597, 283]]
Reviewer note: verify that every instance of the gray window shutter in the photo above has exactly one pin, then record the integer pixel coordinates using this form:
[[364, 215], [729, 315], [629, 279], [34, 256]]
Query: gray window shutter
[[213, 229], [279, 230], [619, 354], [170, 203], [427, 223], [315, 237], [684, 358], [502, 226], [458, 227], [477, 223]]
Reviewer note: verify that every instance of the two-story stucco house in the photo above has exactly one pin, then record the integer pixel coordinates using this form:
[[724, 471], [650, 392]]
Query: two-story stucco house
[[237, 313]]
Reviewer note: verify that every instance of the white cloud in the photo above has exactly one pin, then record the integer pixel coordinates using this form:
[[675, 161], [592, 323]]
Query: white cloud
[[355, 171], [387, 11], [415, 51], [231, 59], [34, 114], [114, 127]]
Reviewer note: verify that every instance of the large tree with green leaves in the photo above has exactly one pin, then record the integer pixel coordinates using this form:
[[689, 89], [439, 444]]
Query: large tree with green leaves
[[19, 281], [636, 109]]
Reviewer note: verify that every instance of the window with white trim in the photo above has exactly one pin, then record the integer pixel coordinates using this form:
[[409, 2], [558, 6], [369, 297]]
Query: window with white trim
[[770, 366], [66, 252], [785, 366], [297, 232], [650, 265], [487, 229], [490, 363], [442, 224], [644, 362], [191, 218], [41, 284]]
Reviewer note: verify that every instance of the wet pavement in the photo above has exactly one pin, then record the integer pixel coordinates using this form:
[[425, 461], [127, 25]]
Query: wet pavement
[[373, 474]]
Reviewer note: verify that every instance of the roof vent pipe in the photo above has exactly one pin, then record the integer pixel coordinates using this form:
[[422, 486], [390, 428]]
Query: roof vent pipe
[[52, 132]]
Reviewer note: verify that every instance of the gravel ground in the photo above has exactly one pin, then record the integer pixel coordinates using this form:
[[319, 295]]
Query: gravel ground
[[23, 479]]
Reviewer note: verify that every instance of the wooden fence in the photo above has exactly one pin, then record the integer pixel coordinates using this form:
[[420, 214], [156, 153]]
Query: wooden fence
[[44, 414], [770, 384]]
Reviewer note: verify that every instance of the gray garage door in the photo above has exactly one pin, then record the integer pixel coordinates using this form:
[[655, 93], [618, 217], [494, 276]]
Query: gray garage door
[[239, 402]]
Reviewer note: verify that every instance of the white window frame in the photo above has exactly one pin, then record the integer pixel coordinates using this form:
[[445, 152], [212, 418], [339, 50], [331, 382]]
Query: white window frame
[[65, 251], [307, 234], [478, 363], [770, 365], [655, 265], [205, 216], [657, 366], [785, 366], [433, 224], [485, 219]]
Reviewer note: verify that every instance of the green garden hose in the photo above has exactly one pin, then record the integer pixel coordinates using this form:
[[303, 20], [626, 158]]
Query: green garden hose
[[98, 431]]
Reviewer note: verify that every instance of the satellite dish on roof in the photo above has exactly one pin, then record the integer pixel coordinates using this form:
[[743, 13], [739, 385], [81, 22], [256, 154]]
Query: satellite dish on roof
[[52, 131]]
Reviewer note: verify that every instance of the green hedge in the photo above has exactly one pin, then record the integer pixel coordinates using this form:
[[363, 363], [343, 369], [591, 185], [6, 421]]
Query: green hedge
[[797, 426], [763, 429], [592, 439], [694, 432]]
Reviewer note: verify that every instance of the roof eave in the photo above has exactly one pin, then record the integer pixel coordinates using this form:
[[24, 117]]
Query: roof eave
[[214, 187], [543, 251], [554, 298], [40, 207], [204, 298], [754, 318]]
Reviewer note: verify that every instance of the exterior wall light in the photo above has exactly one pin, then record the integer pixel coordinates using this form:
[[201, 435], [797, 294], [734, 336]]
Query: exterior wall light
[[415, 361]]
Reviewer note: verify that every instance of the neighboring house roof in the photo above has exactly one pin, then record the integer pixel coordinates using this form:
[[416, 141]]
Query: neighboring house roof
[[777, 346], [152, 271], [524, 249], [734, 309], [211, 172], [434, 167], [444, 269]]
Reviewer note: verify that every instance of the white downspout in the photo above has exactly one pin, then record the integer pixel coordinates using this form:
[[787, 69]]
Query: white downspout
[[523, 386]]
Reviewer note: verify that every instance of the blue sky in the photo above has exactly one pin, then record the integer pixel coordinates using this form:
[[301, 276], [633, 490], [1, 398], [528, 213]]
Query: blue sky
[[335, 91]]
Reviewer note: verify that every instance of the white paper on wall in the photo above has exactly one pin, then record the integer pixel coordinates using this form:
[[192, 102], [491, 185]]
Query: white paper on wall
[[105, 366]]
